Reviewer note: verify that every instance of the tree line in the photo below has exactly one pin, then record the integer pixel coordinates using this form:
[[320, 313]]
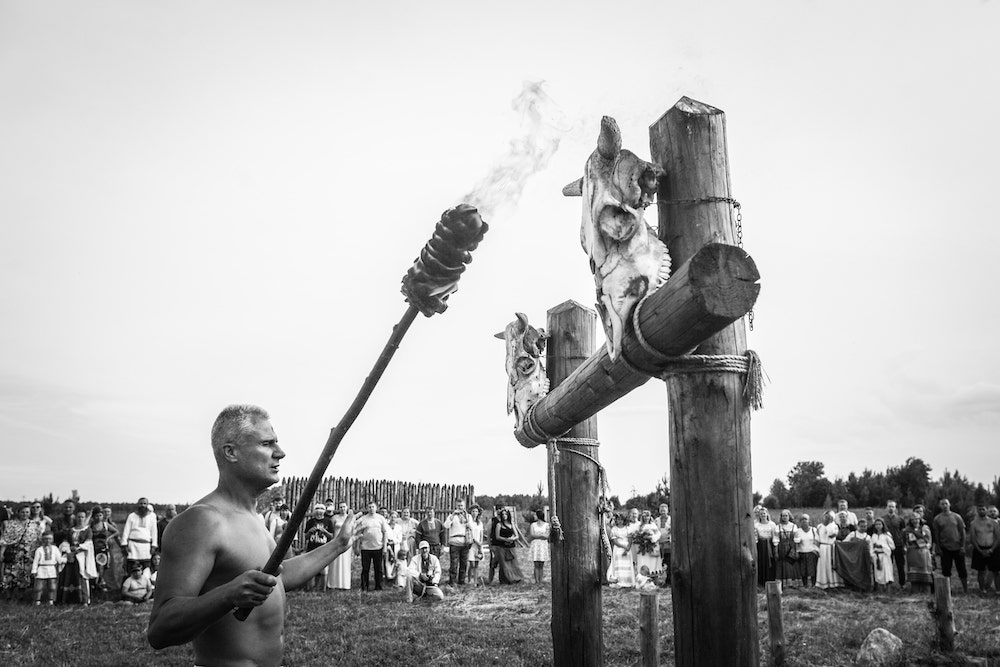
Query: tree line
[[908, 484]]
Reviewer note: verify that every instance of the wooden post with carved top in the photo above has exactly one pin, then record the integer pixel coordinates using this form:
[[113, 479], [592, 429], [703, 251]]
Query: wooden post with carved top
[[714, 583]]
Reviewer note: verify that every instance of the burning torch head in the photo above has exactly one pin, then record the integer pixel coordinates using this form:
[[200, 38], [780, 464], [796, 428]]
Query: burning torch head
[[434, 276]]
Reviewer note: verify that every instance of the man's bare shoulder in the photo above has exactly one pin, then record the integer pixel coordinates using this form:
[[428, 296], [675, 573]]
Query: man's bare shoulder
[[203, 519]]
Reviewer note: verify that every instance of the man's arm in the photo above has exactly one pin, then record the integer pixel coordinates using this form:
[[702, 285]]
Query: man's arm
[[297, 571], [126, 529], [154, 534], [180, 610]]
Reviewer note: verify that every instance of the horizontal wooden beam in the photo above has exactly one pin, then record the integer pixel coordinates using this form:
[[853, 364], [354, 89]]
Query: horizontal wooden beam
[[713, 289]]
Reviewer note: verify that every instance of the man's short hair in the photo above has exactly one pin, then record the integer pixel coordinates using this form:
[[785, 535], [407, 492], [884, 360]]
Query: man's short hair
[[234, 421]]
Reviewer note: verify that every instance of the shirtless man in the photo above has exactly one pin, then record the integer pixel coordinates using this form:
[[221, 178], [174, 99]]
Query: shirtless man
[[984, 534], [214, 550]]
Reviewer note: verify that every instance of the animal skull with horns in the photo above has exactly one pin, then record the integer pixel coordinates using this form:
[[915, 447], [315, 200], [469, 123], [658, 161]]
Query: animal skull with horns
[[527, 381], [626, 257]]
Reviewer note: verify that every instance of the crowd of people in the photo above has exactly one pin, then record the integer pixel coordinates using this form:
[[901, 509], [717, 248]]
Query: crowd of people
[[80, 554], [640, 548], [886, 552], [393, 548]]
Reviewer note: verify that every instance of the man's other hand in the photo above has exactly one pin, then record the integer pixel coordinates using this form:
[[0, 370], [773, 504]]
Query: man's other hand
[[345, 536]]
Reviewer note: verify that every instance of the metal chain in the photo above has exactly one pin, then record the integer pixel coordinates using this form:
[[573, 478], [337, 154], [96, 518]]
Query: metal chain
[[739, 223], [739, 242]]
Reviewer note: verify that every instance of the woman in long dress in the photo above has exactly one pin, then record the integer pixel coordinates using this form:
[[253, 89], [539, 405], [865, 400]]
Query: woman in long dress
[[538, 548], [502, 544], [881, 553], [648, 562], [621, 573], [917, 541], [18, 540], [472, 575], [338, 574], [101, 533], [764, 528], [786, 553], [80, 568], [826, 535]]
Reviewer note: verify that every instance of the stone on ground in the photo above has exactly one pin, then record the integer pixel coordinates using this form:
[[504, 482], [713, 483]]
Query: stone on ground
[[881, 648]]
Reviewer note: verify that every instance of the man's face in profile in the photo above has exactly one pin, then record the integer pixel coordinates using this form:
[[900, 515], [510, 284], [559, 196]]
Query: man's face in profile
[[259, 453]]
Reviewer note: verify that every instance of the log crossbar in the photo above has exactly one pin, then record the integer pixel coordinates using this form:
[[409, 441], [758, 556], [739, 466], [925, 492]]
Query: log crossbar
[[713, 289]]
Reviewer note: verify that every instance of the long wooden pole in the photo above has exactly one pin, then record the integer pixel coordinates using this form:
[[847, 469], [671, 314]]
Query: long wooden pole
[[577, 625], [714, 584], [708, 292], [427, 286], [337, 434]]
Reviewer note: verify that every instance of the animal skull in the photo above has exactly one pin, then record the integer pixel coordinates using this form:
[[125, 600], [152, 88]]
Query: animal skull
[[525, 370], [626, 257]]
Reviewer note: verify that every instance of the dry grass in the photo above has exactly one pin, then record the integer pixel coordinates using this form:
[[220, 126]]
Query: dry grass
[[495, 625]]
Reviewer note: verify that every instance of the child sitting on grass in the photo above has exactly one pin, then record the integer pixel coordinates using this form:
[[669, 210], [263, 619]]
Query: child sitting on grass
[[45, 569], [137, 587]]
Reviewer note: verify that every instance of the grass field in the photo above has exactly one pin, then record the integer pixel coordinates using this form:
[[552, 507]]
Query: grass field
[[494, 625]]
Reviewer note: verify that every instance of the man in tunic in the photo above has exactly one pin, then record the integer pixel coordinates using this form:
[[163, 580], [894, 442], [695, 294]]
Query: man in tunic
[[214, 549], [948, 529], [984, 535], [139, 538]]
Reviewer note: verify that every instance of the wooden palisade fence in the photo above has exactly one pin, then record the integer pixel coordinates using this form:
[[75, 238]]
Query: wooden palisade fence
[[394, 495]]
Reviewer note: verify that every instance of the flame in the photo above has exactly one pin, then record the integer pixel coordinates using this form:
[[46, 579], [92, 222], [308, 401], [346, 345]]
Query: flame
[[528, 154]]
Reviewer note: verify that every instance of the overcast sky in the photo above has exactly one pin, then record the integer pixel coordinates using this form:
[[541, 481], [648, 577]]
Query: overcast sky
[[209, 203]]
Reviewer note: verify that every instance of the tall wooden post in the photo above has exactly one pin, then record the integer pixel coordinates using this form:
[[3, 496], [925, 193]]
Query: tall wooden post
[[714, 585], [577, 626]]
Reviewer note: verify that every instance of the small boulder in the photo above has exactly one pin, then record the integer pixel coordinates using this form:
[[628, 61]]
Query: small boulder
[[881, 648]]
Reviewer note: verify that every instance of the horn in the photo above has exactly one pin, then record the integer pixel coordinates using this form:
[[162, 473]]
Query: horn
[[499, 335], [574, 189], [610, 141]]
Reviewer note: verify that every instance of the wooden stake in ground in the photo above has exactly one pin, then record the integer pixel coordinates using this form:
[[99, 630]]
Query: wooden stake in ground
[[427, 286], [944, 613], [775, 625], [577, 620], [649, 632], [714, 584]]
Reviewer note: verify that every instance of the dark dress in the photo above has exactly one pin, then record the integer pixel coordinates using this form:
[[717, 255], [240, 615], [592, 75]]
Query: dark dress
[[502, 554], [786, 562]]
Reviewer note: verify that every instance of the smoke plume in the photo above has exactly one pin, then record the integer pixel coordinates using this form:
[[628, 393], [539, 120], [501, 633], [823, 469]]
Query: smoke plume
[[528, 154]]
